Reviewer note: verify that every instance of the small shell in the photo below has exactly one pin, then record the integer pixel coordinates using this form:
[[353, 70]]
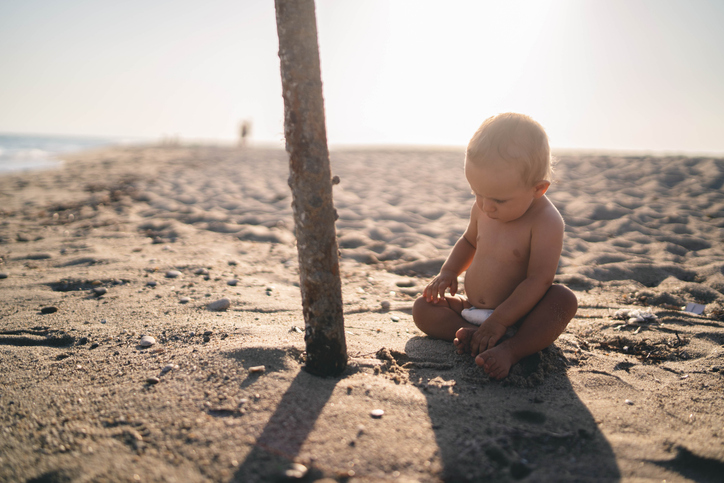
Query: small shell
[[377, 413], [147, 341]]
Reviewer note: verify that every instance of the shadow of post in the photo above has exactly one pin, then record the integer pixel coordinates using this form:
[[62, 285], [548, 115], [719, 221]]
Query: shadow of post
[[287, 429], [493, 431]]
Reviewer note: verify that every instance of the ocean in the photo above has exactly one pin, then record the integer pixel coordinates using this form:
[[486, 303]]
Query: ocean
[[23, 152]]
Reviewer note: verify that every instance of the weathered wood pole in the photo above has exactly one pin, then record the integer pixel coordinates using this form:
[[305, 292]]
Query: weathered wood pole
[[311, 184]]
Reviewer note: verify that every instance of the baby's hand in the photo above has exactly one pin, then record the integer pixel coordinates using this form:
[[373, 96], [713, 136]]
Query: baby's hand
[[487, 335], [435, 290]]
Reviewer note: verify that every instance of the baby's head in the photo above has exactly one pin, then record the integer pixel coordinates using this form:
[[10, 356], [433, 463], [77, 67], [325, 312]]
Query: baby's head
[[513, 139]]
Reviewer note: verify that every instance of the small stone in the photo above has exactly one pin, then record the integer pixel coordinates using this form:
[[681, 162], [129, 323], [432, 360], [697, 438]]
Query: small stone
[[207, 338], [184, 300], [103, 321], [233, 263], [153, 380], [377, 413], [83, 341], [147, 341], [152, 283], [93, 345], [173, 274], [4, 275], [296, 471], [201, 271], [208, 333], [257, 369], [629, 402], [395, 318], [385, 304], [219, 305], [99, 291], [168, 367], [48, 310], [232, 282]]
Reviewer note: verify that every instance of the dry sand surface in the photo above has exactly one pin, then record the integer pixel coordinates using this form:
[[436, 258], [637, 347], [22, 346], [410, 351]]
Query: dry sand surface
[[128, 242]]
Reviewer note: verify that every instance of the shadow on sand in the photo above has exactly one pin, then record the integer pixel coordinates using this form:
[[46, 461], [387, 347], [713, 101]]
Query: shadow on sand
[[290, 424], [532, 427]]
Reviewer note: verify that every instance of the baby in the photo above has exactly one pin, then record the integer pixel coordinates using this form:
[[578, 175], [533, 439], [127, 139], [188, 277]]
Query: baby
[[510, 250]]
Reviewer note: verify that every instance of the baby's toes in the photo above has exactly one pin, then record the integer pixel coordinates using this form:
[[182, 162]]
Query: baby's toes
[[460, 348]]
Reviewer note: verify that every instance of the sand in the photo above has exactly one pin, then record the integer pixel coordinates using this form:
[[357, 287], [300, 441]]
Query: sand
[[127, 242]]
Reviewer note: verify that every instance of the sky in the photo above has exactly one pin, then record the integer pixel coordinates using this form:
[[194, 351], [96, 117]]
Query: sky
[[643, 75]]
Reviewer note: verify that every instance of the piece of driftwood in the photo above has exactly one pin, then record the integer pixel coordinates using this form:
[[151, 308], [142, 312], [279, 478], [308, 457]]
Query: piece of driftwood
[[311, 185]]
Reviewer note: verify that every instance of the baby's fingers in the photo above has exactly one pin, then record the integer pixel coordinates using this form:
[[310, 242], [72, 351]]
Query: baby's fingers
[[476, 344], [491, 342]]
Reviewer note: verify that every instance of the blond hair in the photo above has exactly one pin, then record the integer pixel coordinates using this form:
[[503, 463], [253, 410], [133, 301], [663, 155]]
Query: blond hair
[[515, 139]]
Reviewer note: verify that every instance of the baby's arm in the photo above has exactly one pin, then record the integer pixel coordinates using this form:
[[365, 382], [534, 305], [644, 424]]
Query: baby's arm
[[457, 262], [545, 251]]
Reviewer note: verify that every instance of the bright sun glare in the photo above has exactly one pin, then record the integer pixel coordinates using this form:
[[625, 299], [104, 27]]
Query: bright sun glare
[[607, 74]]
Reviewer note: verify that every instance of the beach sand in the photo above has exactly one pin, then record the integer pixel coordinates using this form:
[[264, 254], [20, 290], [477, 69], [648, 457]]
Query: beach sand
[[133, 241]]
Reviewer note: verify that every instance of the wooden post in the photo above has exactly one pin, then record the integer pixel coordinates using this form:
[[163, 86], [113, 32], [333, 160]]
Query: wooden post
[[311, 184]]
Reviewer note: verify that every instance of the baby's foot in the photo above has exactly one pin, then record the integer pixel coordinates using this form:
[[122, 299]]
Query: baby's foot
[[462, 340], [496, 362]]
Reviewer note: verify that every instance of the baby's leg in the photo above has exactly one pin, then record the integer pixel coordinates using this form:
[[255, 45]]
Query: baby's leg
[[440, 319], [540, 328]]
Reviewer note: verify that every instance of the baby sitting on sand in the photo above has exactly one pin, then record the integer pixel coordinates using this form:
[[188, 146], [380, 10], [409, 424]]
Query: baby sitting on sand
[[510, 250]]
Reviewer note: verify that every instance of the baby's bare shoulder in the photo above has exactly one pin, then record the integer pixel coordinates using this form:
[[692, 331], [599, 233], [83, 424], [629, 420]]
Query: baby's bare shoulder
[[547, 217]]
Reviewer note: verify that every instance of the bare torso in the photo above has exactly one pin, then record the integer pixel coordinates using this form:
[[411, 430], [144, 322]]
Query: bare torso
[[501, 257]]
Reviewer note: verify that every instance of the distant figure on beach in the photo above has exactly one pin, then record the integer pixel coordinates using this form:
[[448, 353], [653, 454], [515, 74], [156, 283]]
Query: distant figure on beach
[[244, 132], [510, 250]]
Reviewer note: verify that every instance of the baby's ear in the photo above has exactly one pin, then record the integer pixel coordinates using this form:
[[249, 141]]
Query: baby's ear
[[540, 188]]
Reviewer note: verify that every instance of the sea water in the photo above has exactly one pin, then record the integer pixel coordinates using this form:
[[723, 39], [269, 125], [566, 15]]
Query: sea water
[[21, 152]]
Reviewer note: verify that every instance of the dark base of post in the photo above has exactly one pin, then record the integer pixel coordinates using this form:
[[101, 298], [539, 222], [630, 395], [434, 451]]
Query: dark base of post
[[325, 357]]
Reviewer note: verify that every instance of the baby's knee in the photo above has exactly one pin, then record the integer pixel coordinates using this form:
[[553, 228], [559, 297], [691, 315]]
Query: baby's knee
[[418, 310], [565, 299], [423, 314]]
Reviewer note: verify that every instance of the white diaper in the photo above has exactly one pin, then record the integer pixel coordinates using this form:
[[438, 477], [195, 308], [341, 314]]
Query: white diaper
[[475, 315]]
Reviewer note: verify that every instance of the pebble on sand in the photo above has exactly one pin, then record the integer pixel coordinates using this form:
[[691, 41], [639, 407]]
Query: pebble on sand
[[98, 291], [4, 275], [168, 367], [48, 310], [173, 274], [232, 282], [257, 369], [201, 271], [184, 300], [385, 304], [377, 413], [218, 305], [153, 380], [296, 471], [147, 341]]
